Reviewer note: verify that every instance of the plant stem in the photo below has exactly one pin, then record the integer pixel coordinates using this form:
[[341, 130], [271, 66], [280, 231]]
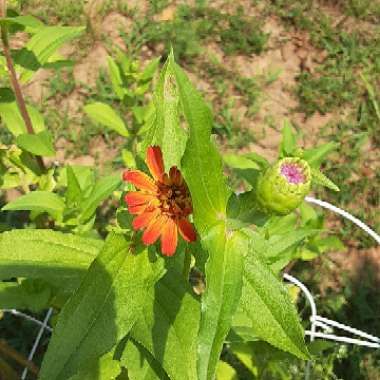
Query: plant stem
[[15, 84]]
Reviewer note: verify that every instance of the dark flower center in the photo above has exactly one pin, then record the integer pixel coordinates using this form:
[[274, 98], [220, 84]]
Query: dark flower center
[[175, 199]]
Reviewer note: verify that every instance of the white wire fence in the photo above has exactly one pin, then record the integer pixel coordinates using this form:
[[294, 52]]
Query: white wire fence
[[328, 326]]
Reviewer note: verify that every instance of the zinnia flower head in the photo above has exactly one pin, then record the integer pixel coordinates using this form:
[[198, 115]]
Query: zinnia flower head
[[282, 188], [162, 204]]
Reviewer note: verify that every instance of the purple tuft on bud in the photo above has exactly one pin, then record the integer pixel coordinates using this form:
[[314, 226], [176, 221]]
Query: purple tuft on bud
[[293, 173]]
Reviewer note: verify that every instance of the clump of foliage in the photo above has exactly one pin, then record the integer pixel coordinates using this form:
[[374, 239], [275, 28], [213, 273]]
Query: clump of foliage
[[122, 308]]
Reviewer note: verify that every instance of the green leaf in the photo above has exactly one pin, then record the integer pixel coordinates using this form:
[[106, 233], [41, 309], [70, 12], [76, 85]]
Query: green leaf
[[315, 156], [102, 190], [140, 363], [168, 326], [31, 24], [44, 253], [319, 178], [201, 164], [40, 201], [116, 79], [267, 304], [203, 172], [43, 45], [224, 272], [101, 311], [149, 70], [85, 176], [166, 130], [103, 114], [242, 211], [240, 162], [73, 192], [106, 368], [40, 144], [30, 294], [289, 141], [12, 119], [225, 372], [277, 244], [260, 160]]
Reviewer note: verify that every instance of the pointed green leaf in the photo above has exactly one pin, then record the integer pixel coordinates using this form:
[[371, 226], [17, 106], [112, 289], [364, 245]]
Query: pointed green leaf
[[115, 76], [319, 178], [289, 141], [101, 311], [140, 363], [43, 45], [12, 119], [102, 190], [268, 306], [149, 70], [224, 272], [315, 156], [243, 211], [202, 168], [166, 130], [31, 24], [169, 325], [73, 192], [240, 162], [40, 144], [40, 201], [106, 368], [105, 115], [201, 164], [45, 253]]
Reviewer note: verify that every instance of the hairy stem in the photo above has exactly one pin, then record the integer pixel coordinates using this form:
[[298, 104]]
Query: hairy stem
[[14, 81]]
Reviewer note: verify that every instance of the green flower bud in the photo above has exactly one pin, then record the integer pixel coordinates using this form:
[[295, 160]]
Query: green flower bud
[[282, 188]]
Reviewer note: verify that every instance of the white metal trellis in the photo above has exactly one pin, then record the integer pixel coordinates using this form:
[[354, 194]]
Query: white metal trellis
[[327, 325]]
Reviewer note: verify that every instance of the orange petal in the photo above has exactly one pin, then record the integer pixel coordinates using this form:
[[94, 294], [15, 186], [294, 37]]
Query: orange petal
[[169, 238], [134, 198], [138, 209], [144, 219], [187, 231], [140, 180], [175, 176], [155, 162], [153, 231]]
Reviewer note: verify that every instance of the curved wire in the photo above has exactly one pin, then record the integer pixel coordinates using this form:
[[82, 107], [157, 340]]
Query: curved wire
[[346, 215]]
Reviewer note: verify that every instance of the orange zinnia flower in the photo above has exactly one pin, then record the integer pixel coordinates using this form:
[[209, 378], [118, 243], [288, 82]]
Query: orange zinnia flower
[[162, 204]]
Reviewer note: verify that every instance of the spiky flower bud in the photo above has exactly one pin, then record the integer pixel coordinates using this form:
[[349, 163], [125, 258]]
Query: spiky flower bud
[[282, 188]]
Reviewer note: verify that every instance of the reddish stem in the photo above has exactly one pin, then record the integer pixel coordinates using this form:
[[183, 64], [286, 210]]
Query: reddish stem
[[14, 81]]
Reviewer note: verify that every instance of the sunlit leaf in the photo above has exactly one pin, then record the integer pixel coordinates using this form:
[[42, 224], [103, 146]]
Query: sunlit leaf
[[102, 311], [168, 326], [39, 144], [267, 304], [101, 190], [166, 131], [105, 115], [44, 253], [12, 119], [40, 201]]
